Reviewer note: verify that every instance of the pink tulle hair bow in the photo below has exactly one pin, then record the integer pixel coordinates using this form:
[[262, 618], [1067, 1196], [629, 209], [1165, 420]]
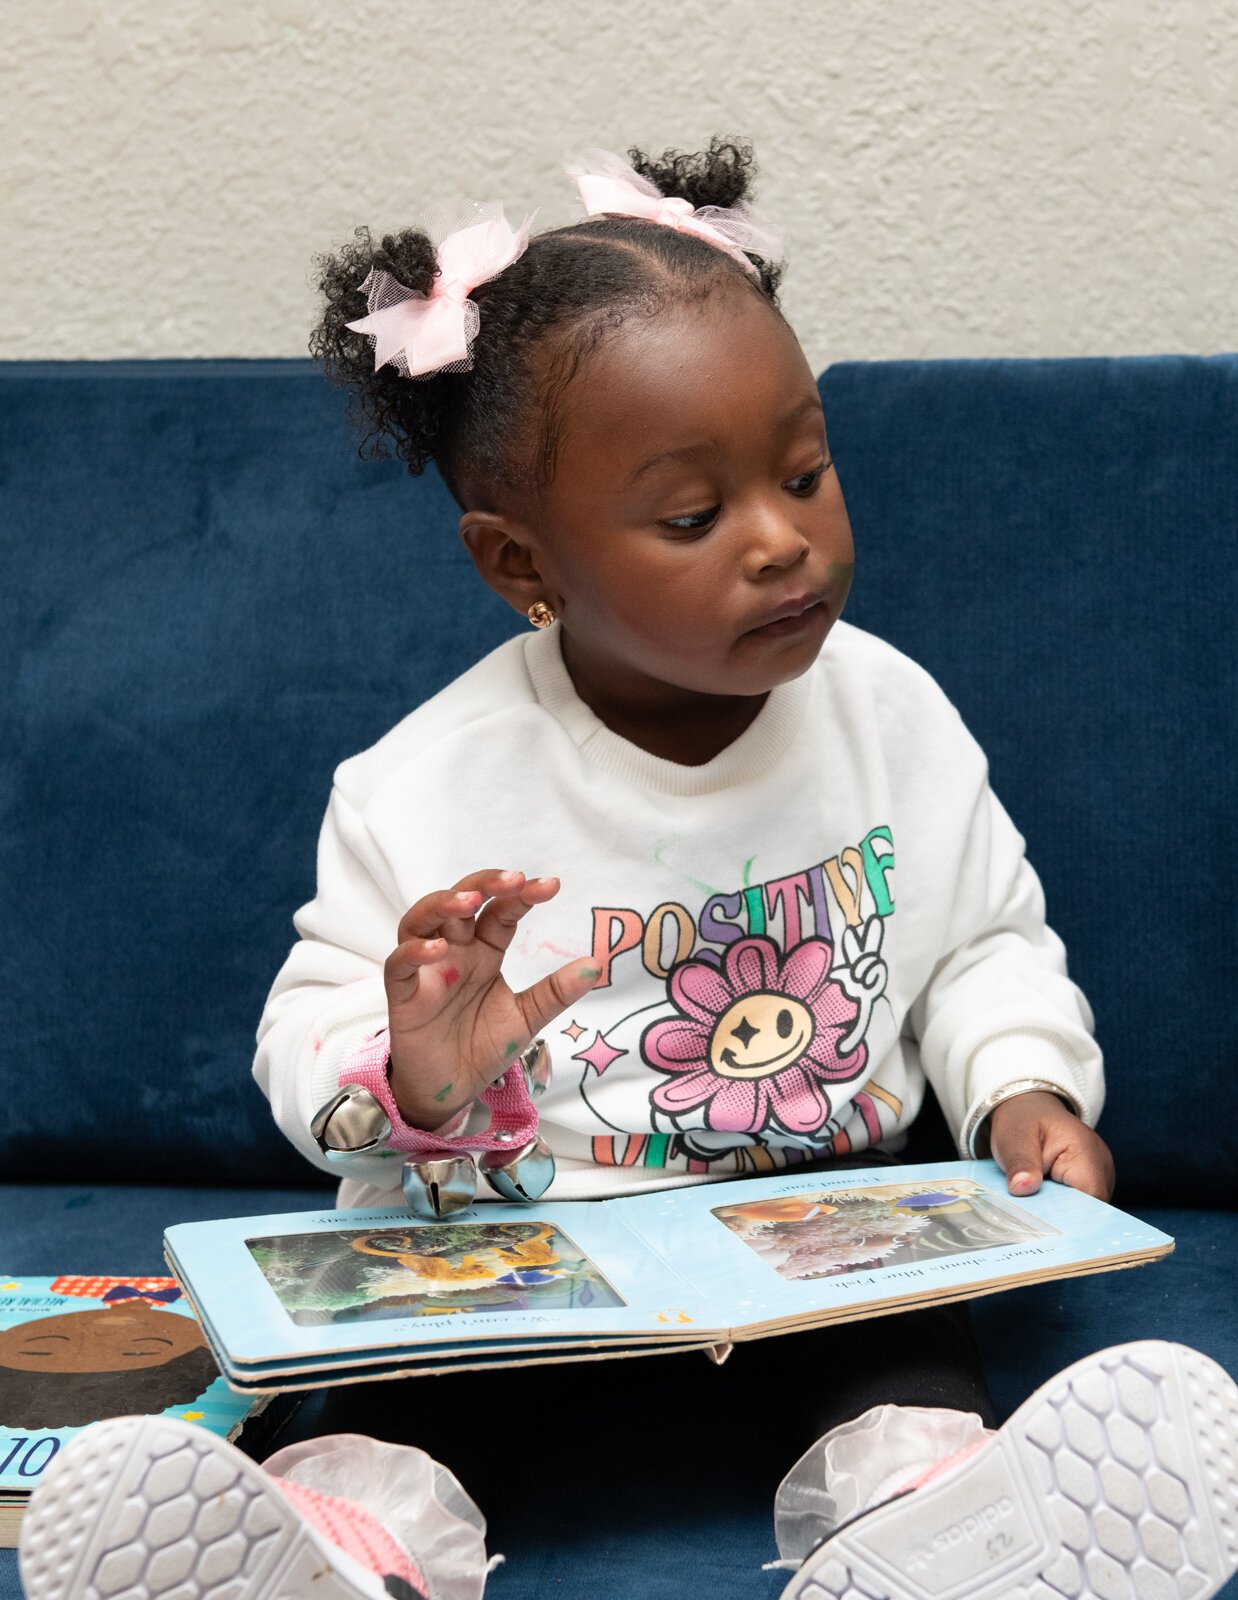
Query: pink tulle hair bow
[[420, 334], [607, 184]]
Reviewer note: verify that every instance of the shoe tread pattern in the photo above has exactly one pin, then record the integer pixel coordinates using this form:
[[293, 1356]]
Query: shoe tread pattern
[[185, 1519], [1130, 1458]]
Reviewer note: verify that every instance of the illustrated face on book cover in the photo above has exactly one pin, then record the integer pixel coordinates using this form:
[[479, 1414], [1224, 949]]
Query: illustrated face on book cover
[[72, 1368]]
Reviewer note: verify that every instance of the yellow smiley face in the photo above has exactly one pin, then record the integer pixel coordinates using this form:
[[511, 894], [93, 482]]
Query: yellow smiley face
[[759, 1035]]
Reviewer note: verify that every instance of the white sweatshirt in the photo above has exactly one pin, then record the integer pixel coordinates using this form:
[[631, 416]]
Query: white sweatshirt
[[793, 936]]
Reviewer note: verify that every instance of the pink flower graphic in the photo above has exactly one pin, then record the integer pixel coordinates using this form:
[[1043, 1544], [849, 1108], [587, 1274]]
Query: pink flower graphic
[[755, 1038]]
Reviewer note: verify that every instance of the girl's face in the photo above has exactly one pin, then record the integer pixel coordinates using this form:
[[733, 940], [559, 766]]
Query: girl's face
[[694, 539]]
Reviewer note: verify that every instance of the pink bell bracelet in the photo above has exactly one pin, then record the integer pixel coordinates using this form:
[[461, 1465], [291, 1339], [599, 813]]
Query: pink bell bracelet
[[440, 1175]]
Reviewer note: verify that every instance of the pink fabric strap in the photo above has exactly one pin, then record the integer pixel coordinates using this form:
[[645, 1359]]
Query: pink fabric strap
[[513, 1120]]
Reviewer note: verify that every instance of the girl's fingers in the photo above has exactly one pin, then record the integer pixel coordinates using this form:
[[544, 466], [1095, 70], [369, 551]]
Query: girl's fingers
[[496, 925], [493, 880], [1034, 1135], [407, 959], [536, 891], [450, 912], [1017, 1149], [542, 1002], [449, 918], [434, 914], [1089, 1168]]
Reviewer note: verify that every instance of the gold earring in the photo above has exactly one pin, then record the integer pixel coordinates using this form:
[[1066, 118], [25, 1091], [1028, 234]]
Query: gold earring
[[540, 614]]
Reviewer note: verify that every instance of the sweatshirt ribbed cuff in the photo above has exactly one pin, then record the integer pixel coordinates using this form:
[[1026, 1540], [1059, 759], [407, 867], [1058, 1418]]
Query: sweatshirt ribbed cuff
[[1016, 1063]]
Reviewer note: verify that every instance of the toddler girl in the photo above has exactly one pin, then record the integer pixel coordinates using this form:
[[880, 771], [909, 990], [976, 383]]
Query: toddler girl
[[735, 862], [763, 840]]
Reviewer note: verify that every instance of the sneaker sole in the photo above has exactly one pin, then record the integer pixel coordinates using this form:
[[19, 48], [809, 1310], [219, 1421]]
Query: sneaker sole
[[145, 1507], [1115, 1481]]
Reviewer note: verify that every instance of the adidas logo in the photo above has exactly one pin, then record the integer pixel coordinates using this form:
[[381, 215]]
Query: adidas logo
[[975, 1526]]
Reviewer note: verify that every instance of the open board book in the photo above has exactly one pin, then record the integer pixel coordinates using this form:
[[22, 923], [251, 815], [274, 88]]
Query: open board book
[[315, 1298], [74, 1350]]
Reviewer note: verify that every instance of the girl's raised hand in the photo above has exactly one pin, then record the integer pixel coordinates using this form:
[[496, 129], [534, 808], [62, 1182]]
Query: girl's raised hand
[[455, 1024]]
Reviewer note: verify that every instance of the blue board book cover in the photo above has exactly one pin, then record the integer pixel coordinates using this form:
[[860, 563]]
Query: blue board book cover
[[324, 1297], [74, 1350]]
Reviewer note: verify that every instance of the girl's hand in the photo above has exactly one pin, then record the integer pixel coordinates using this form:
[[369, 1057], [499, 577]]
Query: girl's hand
[[1034, 1135], [455, 1024]]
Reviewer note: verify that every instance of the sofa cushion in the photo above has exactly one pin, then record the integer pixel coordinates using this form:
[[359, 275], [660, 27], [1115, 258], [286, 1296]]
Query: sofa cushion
[[1054, 541], [207, 601]]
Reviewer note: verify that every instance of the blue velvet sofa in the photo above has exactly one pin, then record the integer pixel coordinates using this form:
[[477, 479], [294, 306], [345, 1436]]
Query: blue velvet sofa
[[207, 600]]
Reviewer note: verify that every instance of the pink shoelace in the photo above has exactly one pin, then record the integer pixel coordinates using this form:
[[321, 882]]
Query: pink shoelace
[[353, 1530]]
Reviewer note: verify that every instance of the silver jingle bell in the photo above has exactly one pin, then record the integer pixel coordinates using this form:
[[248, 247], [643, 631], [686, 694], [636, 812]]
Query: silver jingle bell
[[535, 1060], [350, 1123], [435, 1188], [525, 1176]]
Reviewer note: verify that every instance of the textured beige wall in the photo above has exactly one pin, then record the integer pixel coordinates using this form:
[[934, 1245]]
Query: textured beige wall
[[955, 177]]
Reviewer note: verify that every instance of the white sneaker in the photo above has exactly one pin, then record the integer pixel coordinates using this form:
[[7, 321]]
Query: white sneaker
[[152, 1506], [1118, 1480]]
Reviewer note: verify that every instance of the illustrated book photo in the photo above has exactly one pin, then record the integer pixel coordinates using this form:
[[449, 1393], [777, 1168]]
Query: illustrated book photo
[[74, 1350], [315, 1298]]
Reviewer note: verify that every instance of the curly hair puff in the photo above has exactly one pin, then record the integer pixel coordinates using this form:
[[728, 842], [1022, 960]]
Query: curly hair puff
[[497, 423]]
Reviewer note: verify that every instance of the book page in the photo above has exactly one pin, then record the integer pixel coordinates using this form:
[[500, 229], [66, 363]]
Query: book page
[[788, 1248], [292, 1288]]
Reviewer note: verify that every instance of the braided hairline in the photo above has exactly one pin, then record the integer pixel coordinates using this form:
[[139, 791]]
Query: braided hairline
[[647, 243], [587, 338]]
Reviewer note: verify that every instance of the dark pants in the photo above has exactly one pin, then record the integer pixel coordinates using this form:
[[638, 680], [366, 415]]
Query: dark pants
[[752, 1417], [573, 1456]]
